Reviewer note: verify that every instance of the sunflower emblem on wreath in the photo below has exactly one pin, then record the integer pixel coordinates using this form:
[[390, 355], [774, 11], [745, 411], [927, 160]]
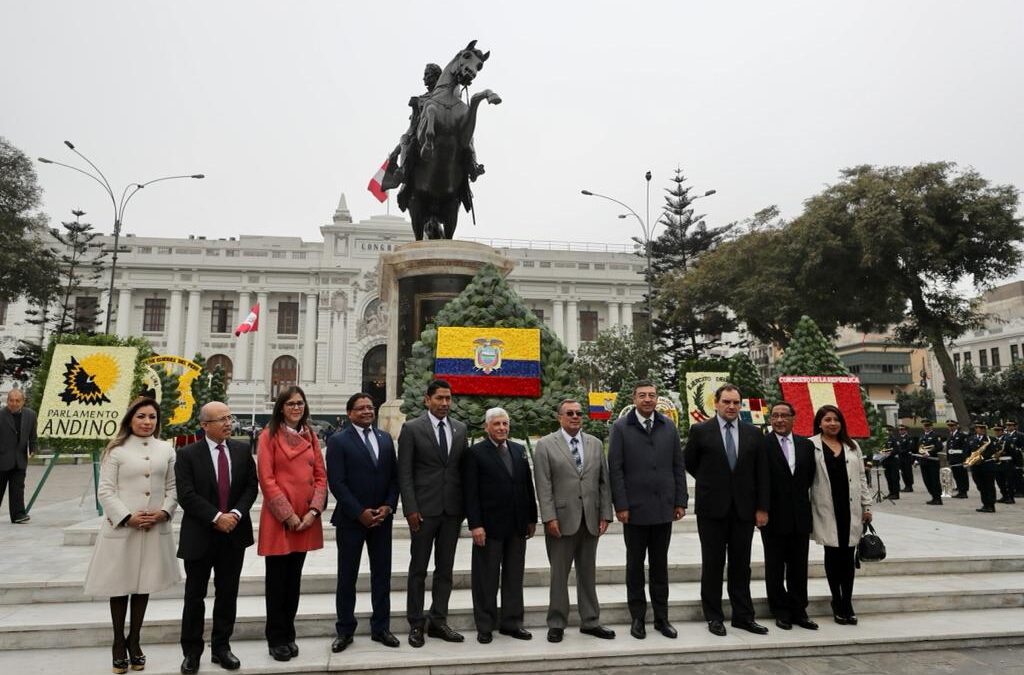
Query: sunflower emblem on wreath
[[88, 380]]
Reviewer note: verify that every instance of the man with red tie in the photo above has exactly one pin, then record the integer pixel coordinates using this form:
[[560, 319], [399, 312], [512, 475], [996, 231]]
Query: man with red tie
[[217, 485]]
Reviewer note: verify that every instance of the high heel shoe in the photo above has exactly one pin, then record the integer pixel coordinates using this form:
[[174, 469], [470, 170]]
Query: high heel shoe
[[119, 664], [137, 659]]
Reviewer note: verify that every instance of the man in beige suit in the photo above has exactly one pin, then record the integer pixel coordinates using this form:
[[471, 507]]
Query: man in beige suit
[[576, 506]]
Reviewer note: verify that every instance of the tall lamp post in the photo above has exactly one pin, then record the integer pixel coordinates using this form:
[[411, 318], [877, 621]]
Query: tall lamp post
[[119, 207], [647, 228]]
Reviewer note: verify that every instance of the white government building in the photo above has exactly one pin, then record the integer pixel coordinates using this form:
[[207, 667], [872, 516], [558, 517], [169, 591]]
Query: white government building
[[321, 320]]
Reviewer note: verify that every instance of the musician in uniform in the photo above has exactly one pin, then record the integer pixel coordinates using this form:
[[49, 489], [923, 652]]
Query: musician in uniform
[[1004, 466], [906, 450], [981, 449], [956, 446], [891, 464], [928, 459], [1015, 440]]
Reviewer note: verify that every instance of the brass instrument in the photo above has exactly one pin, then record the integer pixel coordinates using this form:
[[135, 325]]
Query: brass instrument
[[977, 457], [926, 451]]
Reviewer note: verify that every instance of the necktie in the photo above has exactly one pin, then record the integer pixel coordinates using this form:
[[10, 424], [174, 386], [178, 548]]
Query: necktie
[[442, 440], [369, 446], [506, 457], [576, 455], [730, 446], [223, 479], [784, 442], [648, 424]]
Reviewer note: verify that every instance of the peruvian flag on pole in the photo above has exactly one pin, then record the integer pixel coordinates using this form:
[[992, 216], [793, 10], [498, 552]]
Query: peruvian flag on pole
[[375, 183], [251, 323]]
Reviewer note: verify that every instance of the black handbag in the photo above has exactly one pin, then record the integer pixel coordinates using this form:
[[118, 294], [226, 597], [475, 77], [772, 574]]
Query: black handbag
[[870, 548]]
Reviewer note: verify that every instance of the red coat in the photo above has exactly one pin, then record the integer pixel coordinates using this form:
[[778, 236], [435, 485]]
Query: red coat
[[293, 480]]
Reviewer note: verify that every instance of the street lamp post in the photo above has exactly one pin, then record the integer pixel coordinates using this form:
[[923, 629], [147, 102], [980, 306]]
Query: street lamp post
[[647, 229], [119, 207]]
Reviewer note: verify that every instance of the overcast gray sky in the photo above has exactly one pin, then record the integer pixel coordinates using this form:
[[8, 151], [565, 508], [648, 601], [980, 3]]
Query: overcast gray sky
[[284, 106]]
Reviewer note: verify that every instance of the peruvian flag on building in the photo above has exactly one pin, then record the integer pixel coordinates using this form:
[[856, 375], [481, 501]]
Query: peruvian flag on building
[[807, 394], [251, 323], [375, 183]]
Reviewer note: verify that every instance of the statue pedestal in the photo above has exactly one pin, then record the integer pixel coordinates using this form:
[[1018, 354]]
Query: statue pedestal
[[417, 280]]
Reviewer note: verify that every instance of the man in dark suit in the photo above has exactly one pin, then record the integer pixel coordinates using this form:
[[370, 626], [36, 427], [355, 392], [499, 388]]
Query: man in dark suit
[[790, 465], [501, 512], [17, 442], [362, 472], [725, 456], [217, 485], [430, 449], [645, 466]]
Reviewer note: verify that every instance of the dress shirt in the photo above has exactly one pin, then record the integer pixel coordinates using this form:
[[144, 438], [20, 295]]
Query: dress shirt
[[735, 432], [434, 421], [215, 456], [373, 439], [640, 418], [792, 451], [579, 445]]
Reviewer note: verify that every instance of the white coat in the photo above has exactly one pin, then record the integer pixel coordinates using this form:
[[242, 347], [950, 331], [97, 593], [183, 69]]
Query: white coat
[[823, 515]]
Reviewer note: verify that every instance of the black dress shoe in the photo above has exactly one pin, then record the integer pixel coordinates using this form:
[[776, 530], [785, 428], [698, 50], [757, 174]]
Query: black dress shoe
[[444, 631], [783, 624], [517, 633], [385, 638], [986, 509], [341, 643], [934, 502], [716, 627], [908, 489], [281, 653], [190, 665], [750, 627], [805, 623], [225, 659], [555, 634], [637, 629], [960, 495], [666, 629], [851, 619], [841, 620], [599, 632], [294, 649], [891, 496], [416, 636], [484, 637], [1006, 500], [22, 520]]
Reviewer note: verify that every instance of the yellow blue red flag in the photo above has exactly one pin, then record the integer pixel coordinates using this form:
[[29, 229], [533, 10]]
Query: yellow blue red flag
[[489, 361], [600, 404]]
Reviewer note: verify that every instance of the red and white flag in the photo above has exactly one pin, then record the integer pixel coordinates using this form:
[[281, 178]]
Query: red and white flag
[[807, 394], [251, 323], [375, 183]]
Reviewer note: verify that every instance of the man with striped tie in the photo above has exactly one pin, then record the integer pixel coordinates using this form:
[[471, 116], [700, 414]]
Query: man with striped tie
[[575, 499]]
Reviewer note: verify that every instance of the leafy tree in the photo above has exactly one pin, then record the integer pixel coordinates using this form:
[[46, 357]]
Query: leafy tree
[[917, 403], [616, 357], [26, 263], [488, 301], [1012, 381]]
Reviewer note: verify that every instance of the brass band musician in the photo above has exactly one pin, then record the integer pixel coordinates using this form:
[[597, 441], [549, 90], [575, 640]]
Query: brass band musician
[[982, 462], [956, 446], [1004, 465], [928, 458]]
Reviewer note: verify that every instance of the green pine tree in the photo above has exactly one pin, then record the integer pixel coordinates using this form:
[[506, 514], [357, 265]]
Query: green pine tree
[[488, 301], [744, 374]]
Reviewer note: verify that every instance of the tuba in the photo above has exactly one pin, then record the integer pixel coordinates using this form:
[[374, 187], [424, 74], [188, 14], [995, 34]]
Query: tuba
[[977, 457]]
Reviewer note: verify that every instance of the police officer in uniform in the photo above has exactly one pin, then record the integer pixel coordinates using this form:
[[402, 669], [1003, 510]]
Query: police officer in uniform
[[928, 459], [1004, 466], [984, 472], [956, 445], [906, 449], [891, 465]]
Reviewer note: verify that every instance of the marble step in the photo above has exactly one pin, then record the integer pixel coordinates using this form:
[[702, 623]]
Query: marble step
[[86, 624]]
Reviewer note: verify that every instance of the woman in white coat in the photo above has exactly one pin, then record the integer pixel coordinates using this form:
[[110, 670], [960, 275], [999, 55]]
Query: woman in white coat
[[840, 505], [134, 553]]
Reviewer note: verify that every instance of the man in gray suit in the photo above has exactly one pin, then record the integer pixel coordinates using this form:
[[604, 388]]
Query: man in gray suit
[[430, 449], [17, 441], [576, 505]]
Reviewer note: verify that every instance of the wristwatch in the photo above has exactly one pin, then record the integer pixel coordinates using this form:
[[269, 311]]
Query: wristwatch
[[316, 512]]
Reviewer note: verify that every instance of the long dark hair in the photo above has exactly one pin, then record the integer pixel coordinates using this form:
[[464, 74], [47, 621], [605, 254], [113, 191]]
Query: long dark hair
[[125, 430], [277, 417], [843, 435]]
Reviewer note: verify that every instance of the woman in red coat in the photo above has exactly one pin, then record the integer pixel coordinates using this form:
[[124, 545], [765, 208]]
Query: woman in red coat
[[294, 485]]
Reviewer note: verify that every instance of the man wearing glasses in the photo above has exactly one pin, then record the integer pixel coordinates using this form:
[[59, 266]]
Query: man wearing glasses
[[216, 482], [576, 506]]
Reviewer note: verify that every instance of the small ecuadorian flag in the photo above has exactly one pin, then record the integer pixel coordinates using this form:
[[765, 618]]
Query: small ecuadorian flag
[[489, 361], [601, 404]]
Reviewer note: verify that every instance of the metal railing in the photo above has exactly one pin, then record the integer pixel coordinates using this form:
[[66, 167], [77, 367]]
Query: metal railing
[[542, 245]]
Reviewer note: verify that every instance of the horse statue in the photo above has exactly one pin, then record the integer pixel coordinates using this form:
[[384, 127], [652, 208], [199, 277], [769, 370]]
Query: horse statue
[[440, 161]]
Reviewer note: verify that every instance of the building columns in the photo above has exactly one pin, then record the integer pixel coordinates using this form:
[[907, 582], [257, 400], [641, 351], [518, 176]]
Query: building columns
[[627, 315], [558, 319], [124, 310], [259, 366], [572, 326], [308, 373], [192, 324], [174, 325], [613, 314], [241, 365]]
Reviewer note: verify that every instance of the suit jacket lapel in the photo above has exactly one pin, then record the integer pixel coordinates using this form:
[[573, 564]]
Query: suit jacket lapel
[[567, 451]]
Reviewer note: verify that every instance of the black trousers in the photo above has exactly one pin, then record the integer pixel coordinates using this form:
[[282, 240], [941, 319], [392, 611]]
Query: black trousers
[[440, 535], [839, 570], [960, 477], [985, 480], [930, 476], [650, 543], [225, 561], [283, 582], [906, 468], [1006, 478], [785, 574], [892, 475], [15, 478], [722, 539], [503, 559], [350, 540]]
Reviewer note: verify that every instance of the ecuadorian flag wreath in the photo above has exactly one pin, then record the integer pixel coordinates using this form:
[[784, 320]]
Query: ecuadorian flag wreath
[[489, 361]]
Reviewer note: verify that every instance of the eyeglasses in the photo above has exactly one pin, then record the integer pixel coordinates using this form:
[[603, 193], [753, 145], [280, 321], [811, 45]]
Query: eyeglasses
[[295, 404], [573, 413], [781, 416], [222, 420]]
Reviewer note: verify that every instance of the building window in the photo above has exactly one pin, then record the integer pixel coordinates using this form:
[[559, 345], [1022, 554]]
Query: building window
[[283, 374], [539, 314], [1014, 353], [298, 255], [278, 254], [995, 358], [287, 318], [220, 317], [982, 360], [225, 364], [153, 315], [967, 359], [588, 326], [956, 362], [231, 253], [3, 313], [86, 311]]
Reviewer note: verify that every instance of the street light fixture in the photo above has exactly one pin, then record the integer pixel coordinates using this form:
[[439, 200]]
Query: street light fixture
[[119, 207]]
